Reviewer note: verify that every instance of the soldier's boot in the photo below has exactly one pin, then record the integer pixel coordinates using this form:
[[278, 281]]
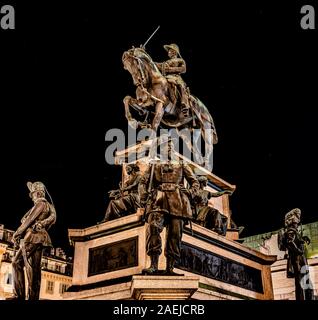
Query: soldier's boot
[[170, 266], [110, 216], [153, 269], [185, 105], [104, 220]]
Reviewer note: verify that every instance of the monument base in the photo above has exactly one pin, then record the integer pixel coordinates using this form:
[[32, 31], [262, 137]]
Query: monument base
[[109, 259]]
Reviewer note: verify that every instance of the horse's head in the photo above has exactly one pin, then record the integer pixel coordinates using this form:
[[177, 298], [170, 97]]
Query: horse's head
[[137, 61]]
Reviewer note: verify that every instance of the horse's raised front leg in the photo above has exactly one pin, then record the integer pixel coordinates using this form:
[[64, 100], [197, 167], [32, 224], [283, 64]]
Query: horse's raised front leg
[[131, 121], [158, 117]]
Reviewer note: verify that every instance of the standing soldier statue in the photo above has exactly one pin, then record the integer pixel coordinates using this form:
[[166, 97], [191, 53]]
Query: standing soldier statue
[[31, 238], [167, 206], [292, 240]]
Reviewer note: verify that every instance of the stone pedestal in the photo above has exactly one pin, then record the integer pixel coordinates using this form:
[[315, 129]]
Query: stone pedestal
[[163, 287], [109, 259]]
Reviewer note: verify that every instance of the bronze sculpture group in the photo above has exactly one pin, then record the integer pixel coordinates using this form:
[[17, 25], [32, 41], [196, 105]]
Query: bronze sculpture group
[[163, 100], [168, 203]]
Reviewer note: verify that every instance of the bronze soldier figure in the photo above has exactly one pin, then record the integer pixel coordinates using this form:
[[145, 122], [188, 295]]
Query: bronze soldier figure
[[126, 198], [168, 206], [206, 215], [292, 240], [31, 238], [172, 70]]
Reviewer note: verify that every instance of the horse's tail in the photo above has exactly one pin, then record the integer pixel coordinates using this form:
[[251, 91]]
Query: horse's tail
[[204, 116]]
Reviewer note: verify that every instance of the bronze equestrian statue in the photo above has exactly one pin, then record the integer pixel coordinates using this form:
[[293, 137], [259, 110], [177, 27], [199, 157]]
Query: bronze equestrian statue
[[154, 97]]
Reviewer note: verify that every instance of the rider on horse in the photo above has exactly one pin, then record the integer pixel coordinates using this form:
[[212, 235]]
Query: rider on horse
[[154, 82], [172, 69]]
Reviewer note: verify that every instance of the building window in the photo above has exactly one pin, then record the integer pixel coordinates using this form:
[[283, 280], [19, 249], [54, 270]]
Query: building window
[[44, 264], [63, 287], [58, 268], [50, 287]]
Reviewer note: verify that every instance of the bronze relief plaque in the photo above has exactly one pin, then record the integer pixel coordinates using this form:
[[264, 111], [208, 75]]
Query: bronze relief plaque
[[114, 256], [211, 265]]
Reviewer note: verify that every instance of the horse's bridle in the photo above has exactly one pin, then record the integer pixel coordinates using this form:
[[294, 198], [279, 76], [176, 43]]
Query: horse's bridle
[[143, 77], [140, 69]]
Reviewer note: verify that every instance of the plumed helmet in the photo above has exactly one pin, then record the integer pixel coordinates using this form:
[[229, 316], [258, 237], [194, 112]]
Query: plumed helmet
[[293, 215]]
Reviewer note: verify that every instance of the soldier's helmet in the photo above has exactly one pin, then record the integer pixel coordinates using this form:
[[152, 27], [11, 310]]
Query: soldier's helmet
[[172, 46], [36, 186]]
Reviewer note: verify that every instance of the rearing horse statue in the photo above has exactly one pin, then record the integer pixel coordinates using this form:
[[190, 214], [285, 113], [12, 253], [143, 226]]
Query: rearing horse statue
[[152, 97]]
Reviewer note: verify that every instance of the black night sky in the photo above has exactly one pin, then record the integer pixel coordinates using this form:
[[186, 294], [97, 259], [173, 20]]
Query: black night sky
[[63, 85]]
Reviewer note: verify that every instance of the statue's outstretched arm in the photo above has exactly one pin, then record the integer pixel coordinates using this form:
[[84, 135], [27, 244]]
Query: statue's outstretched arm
[[219, 194]]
